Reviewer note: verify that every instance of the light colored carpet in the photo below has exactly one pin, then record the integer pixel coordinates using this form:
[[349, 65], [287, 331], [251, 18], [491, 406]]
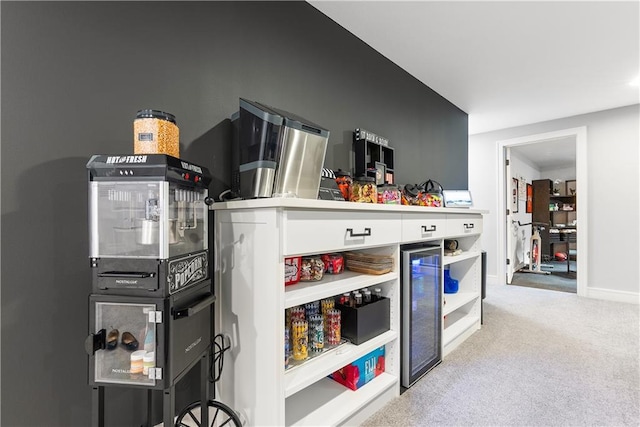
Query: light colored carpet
[[542, 358]]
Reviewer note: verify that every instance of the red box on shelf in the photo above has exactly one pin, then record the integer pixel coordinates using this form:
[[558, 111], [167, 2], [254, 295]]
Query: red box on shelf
[[361, 371], [292, 270]]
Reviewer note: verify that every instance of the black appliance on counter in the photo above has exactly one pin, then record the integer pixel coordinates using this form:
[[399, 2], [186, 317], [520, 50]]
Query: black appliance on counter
[[421, 311], [151, 303], [328, 187], [276, 153]]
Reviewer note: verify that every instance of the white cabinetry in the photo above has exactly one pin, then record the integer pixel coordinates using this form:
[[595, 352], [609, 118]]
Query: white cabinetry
[[252, 238], [461, 310]]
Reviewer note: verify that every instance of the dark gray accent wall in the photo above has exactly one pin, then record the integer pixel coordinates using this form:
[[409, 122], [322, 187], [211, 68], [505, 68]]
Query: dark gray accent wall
[[73, 76]]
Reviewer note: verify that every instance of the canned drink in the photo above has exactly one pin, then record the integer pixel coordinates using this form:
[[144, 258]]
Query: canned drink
[[287, 347], [312, 308], [316, 332], [332, 322], [300, 339], [295, 313], [327, 304]]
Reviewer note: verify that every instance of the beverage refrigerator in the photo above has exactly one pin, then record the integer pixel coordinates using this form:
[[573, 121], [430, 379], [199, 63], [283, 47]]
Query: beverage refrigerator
[[421, 310]]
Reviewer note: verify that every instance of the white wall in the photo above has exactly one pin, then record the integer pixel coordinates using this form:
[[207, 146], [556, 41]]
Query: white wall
[[613, 183], [563, 174], [520, 168]]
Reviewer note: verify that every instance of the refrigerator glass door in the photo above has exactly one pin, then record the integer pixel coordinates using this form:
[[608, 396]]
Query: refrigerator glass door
[[421, 313]]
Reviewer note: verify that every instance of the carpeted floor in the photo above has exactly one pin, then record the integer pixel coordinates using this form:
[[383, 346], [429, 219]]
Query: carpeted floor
[[542, 358], [558, 280]]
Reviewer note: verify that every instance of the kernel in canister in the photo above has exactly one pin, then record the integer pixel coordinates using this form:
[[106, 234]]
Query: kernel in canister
[[156, 132]]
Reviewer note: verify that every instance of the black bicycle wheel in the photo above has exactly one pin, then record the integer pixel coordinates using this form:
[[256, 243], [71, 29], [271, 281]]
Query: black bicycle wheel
[[221, 416]]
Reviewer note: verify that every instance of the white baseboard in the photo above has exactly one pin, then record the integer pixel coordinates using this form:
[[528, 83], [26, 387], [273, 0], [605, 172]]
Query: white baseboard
[[613, 295]]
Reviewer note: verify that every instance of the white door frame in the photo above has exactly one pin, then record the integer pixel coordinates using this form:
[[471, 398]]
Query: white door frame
[[582, 204]]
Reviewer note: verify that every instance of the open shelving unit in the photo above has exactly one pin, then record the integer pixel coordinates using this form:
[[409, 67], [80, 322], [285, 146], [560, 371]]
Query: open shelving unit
[[330, 398], [332, 285], [253, 304], [451, 259], [461, 311], [558, 213], [319, 367], [370, 150], [253, 238]]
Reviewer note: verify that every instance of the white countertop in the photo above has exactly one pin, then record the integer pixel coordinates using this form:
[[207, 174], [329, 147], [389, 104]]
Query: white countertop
[[295, 203]]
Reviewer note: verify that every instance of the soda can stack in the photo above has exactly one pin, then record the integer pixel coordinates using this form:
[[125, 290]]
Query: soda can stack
[[287, 347], [295, 313], [316, 332], [332, 322], [299, 339], [312, 308], [327, 304]]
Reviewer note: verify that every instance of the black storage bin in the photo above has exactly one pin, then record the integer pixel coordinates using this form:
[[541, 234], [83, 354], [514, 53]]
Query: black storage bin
[[363, 323]]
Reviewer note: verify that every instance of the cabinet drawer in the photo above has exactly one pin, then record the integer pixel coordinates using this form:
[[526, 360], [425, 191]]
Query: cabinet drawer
[[416, 227], [460, 225], [307, 232]]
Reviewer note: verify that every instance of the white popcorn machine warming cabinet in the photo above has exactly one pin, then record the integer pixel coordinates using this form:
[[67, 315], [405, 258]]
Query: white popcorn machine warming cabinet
[[150, 311]]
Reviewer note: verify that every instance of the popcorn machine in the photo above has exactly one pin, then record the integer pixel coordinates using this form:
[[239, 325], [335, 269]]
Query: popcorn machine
[[148, 224], [150, 312]]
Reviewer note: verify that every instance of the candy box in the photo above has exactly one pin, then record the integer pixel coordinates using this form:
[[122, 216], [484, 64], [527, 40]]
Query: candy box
[[333, 263], [361, 371], [292, 270], [311, 269]]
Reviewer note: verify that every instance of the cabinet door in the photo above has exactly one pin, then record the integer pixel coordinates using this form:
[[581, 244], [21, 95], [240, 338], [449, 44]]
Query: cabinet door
[[127, 358]]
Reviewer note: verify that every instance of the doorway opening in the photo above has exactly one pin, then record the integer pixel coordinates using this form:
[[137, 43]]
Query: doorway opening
[[550, 259]]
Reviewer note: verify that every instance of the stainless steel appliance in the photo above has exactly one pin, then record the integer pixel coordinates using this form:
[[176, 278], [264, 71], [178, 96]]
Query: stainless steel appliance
[[421, 296], [260, 142], [280, 154]]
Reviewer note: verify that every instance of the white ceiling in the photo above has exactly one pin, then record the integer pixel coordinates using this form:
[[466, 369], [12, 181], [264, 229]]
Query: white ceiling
[[547, 155], [507, 63]]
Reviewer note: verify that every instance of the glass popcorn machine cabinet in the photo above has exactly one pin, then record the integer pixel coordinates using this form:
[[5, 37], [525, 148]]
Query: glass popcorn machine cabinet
[[148, 342], [148, 222]]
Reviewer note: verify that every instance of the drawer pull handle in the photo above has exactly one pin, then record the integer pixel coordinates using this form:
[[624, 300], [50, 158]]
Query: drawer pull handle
[[367, 232], [468, 226], [428, 230]]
